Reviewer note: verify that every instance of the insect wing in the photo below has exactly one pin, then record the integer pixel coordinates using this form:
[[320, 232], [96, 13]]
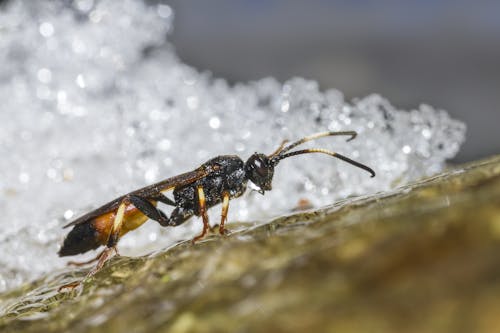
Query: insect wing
[[151, 190], [109, 207], [171, 183]]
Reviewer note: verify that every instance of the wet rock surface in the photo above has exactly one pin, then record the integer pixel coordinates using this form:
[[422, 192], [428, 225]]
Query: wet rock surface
[[420, 258]]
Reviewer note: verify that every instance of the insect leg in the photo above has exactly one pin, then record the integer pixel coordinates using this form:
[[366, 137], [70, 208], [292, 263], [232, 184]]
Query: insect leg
[[82, 263], [112, 240], [179, 216], [203, 213], [163, 199], [117, 224], [148, 209], [110, 247], [225, 208], [105, 255]]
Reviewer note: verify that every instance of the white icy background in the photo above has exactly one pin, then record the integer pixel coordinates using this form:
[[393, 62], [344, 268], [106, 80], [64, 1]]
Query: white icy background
[[95, 103]]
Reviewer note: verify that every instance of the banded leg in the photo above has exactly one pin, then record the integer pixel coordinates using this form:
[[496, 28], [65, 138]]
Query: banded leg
[[203, 213], [223, 216], [110, 247]]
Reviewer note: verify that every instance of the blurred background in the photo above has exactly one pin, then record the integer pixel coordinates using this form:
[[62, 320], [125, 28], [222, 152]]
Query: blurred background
[[445, 53]]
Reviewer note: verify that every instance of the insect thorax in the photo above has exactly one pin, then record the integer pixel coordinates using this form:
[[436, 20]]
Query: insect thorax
[[229, 177]]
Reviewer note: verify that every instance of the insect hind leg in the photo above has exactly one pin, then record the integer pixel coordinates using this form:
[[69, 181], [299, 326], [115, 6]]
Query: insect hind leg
[[83, 263], [101, 260], [108, 251]]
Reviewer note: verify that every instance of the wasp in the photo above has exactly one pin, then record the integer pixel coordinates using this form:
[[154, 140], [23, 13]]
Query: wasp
[[218, 180]]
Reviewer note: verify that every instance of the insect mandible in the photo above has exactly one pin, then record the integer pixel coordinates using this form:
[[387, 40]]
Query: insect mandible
[[218, 180]]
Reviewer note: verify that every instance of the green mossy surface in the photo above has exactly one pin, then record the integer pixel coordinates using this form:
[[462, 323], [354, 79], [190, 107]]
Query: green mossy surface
[[421, 258]]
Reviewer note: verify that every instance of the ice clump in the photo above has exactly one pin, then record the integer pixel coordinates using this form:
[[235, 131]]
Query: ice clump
[[95, 103]]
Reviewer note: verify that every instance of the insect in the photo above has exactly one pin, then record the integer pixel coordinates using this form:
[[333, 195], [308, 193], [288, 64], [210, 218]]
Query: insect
[[217, 181]]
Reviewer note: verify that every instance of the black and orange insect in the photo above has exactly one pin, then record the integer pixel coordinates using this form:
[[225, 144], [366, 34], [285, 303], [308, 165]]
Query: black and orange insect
[[217, 181]]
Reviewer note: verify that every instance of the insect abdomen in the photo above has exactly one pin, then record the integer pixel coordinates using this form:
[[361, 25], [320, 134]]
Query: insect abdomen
[[82, 238], [91, 234]]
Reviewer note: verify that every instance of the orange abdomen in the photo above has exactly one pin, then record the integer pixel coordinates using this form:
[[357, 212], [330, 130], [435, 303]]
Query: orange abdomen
[[94, 233], [132, 219]]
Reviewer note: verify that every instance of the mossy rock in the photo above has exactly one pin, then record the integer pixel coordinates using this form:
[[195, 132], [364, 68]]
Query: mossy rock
[[421, 258]]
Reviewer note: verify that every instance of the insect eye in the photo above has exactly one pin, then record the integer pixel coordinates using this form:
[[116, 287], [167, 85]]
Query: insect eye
[[262, 170], [259, 167]]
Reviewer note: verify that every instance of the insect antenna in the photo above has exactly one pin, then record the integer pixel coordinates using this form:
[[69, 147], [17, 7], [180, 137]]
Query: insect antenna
[[281, 152], [279, 149], [282, 149], [327, 152]]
